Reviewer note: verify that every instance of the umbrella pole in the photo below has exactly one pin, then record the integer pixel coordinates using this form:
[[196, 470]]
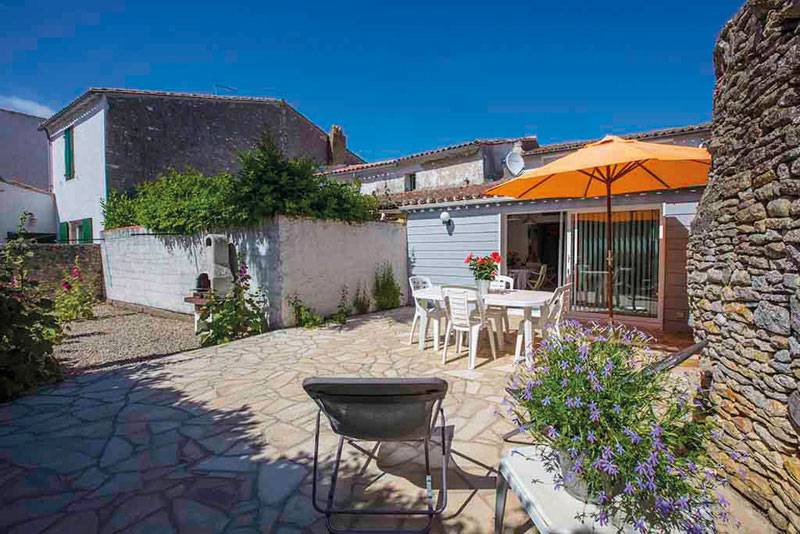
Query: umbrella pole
[[609, 255]]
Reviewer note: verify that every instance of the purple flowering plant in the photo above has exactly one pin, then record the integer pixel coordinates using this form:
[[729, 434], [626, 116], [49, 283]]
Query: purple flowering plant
[[632, 438]]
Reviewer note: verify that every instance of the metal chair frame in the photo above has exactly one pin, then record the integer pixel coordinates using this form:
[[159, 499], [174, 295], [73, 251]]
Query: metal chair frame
[[331, 511]]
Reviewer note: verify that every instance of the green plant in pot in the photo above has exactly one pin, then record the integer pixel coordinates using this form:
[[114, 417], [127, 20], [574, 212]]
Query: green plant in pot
[[629, 441]]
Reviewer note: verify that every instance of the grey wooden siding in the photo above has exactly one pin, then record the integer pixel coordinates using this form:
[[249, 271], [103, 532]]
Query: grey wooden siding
[[476, 228], [435, 253]]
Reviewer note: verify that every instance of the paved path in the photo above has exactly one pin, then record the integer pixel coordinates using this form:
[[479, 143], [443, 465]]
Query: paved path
[[219, 439]]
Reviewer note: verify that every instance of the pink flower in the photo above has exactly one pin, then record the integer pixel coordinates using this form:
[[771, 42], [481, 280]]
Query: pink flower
[[66, 285], [76, 273], [469, 258]]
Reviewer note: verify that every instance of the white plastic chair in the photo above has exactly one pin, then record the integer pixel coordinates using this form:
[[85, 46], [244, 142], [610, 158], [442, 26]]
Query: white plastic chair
[[550, 317], [499, 314], [463, 320], [425, 312]]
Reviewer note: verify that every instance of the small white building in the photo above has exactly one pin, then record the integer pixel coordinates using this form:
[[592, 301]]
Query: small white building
[[17, 198]]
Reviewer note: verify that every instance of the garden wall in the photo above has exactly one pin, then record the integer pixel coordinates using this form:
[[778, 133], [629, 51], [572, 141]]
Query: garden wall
[[50, 261], [744, 255], [309, 258]]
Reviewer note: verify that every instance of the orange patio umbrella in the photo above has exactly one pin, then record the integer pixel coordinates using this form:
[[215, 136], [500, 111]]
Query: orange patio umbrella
[[611, 166]]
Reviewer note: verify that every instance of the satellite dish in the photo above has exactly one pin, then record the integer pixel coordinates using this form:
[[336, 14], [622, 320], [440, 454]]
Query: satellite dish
[[514, 162]]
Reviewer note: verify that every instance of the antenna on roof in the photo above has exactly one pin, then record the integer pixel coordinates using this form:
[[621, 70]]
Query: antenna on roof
[[228, 88]]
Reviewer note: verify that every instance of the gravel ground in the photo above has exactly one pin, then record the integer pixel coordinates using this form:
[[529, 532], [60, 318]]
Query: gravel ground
[[118, 336]]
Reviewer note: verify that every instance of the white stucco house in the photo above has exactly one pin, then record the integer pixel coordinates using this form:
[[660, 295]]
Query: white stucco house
[[113, 139], [17, 198]]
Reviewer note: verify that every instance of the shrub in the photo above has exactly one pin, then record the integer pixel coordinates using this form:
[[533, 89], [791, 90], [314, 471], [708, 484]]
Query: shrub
[[631, 439], [385, 290], [28, 326], [240, 313], [267, 184], [361, 300], [343, 309], [303, 315], [119, 210], [74, 299]]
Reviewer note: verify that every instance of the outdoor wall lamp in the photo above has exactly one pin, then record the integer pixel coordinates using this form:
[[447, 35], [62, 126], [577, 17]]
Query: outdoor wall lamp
[[447, 222]]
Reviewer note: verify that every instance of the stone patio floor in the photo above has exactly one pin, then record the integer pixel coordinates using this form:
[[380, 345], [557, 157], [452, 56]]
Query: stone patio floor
[[221, 439]]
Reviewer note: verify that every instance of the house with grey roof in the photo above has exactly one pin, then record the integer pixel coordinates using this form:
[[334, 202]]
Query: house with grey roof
[[564, 235], [23, 176], [113, 139]]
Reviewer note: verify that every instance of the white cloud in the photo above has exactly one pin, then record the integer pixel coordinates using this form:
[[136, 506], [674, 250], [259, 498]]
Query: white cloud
[[23, 105]]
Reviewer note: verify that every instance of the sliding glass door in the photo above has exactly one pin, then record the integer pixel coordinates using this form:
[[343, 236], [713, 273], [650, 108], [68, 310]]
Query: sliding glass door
[[636, 261]]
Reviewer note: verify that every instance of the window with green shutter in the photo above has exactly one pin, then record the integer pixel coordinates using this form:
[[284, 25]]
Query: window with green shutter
[[86, 231], [69, 154], [63, 232]]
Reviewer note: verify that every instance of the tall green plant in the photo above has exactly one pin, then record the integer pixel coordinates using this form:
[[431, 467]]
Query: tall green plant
[[385, 291], [266, 184], [28, 326], [241, 313], [119, 210], [74, 299]]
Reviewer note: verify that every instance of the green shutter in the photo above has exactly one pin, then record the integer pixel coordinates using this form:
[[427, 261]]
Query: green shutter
[[86, 231], [69, 154], [63, 232]]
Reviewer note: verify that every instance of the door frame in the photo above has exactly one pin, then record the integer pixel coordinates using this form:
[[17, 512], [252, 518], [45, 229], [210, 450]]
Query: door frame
[[647, 322]]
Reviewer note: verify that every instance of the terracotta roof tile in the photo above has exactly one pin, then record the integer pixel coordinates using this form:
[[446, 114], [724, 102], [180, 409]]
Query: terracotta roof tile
[[475, 142], [664, 132], [431, 196]]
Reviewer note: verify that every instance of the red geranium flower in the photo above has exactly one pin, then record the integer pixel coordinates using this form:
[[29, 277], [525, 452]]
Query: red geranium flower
[[496, 257], [469, 258]]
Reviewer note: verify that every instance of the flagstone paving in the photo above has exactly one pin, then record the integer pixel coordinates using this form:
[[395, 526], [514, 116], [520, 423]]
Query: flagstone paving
[[221, 439]]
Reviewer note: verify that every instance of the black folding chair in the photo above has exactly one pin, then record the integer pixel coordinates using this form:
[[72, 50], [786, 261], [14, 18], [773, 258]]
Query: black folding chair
[[381, 410]]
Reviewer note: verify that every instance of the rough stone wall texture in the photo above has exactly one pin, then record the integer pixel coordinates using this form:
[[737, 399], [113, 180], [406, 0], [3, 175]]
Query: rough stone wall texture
[[148, 134], [49, 262], [744, 254]]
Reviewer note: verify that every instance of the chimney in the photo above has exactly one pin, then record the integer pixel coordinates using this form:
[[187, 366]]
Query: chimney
[[529, 142], [337, 146]]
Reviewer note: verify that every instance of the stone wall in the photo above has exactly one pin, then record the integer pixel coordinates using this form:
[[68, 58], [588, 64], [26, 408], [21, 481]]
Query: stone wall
[[744, 255], [50, 261]]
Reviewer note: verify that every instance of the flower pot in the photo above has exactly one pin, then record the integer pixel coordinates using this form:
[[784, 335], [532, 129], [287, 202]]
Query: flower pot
[[573, 485], [483, 286]]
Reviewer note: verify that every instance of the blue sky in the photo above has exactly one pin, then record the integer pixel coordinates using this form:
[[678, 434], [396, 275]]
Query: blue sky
[[398, 76]]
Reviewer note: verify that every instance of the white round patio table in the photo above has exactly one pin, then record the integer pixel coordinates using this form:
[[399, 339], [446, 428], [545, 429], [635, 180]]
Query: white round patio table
[[523, 299]]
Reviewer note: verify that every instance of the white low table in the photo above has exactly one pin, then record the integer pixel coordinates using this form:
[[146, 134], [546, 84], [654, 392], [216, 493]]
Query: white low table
[[552, 511], [522, 299]]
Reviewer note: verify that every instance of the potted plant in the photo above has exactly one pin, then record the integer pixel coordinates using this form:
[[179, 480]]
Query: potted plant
[[484, 269], [629, 441]]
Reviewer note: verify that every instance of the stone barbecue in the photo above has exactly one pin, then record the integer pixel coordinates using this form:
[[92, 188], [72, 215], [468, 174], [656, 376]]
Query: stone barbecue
[[744, 255]]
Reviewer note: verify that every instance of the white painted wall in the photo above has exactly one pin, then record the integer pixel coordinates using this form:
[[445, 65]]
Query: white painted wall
[[308, 258], [15, 199], [147, 270], [80, 197], [452, 174], [318, 257]]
